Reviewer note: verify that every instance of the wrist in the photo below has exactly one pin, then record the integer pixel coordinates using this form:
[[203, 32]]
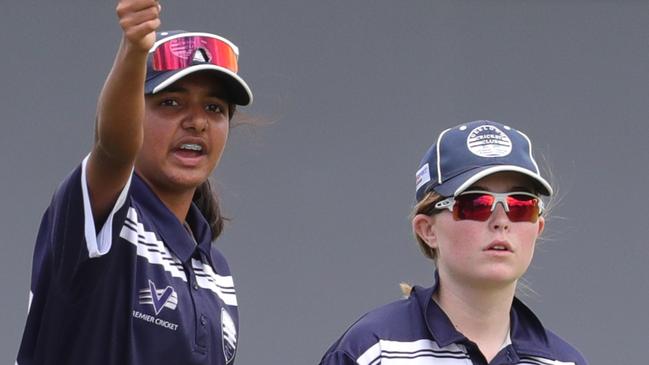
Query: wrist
[[130, 49]]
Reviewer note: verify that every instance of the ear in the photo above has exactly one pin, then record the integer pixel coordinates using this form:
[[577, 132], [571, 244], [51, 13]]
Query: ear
[[541, 222], [424, 227]]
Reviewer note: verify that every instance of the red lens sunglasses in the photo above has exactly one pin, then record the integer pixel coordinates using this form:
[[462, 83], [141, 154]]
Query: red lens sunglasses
[[477, 205]]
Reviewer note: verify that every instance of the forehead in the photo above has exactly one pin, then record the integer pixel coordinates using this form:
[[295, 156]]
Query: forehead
[[505, 181]]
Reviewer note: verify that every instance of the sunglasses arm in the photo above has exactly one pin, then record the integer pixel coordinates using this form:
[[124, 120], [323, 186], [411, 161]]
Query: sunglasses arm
[[445, 204]]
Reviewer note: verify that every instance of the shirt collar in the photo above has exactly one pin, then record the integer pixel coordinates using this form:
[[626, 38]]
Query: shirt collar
[[439, 325], [171, 230], [527, 334]]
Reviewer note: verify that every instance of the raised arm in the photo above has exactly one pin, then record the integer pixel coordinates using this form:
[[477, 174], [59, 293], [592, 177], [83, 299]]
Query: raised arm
[[120, 110]]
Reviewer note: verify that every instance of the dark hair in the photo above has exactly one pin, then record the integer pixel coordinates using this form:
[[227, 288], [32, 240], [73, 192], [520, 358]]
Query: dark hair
[[207, 201], [231, 109]]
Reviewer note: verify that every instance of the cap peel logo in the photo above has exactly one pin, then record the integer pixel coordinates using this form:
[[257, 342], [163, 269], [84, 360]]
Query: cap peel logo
[[488, 141], [422, 176]]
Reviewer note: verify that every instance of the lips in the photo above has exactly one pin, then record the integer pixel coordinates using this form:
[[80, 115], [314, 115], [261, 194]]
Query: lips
[[191, 144], [190, 150], [499, 246]]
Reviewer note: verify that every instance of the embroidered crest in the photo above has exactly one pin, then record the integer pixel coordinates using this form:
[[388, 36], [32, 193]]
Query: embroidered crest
[[488, 141], [159, 298]]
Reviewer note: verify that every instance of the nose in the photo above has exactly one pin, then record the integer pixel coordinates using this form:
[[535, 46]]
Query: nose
[[499, 219], [196, 119]]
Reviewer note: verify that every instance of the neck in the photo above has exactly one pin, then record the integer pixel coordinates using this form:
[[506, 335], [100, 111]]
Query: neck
[[178, 202], [479, 313]]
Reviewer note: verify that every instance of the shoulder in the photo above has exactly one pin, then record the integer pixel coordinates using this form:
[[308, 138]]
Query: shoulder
[[220, 263], [535, 342], [64, 221], [396, 321], [390, 320], [564, 351], [71, 199], [69, 188]]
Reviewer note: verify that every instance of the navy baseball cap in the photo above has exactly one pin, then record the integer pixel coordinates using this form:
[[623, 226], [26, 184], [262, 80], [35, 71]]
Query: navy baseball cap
[[179, 53], [468, 152]]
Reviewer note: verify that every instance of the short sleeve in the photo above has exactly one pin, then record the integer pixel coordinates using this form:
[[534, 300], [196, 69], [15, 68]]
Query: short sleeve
[[98, 243], [68, 236]]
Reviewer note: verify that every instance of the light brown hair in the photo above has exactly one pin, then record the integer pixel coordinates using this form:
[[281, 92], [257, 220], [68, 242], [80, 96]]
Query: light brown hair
[[426, 206]]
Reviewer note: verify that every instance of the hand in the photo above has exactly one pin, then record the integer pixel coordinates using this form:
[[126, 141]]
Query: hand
[[139, 20]]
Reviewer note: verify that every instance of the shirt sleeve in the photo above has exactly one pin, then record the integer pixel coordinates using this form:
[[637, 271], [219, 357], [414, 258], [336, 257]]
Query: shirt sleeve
[[68, 257], [98, 243], [68, 237]]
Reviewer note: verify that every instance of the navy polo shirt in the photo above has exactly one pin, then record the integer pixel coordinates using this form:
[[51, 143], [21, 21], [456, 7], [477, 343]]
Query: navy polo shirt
[[416, 331], [140, 290]]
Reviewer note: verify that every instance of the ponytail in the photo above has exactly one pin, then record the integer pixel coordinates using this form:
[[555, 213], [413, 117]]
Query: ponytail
[[208, 203], [406, 289]]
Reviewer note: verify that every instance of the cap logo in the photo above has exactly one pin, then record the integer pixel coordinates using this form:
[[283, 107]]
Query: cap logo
[[423, 176], [201, 55], [488, 141]]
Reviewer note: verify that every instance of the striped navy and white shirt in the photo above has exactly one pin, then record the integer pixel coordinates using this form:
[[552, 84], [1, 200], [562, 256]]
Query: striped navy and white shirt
[[141, 291], [415, 331]]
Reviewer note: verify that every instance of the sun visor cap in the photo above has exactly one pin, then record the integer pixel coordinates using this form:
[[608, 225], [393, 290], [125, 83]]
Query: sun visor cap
[[177, 54]]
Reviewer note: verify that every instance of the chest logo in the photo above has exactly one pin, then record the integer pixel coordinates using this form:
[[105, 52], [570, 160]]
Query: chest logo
[[159, 298], [229, 335]]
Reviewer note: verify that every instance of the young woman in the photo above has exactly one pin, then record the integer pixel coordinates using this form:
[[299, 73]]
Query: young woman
[[478, 216], [124, 269]]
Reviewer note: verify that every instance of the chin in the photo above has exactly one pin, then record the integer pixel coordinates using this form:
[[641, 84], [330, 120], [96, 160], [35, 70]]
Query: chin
[[190, 182], [184, 180], [499, 276]]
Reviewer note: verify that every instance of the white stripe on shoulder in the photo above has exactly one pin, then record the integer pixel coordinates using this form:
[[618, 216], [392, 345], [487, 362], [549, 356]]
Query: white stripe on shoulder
[[223, 286], [149, 246], [99, 244], [419, 352], [533, 360]]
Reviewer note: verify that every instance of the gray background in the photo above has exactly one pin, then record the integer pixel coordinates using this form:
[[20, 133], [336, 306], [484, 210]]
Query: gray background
[[356, 91]]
